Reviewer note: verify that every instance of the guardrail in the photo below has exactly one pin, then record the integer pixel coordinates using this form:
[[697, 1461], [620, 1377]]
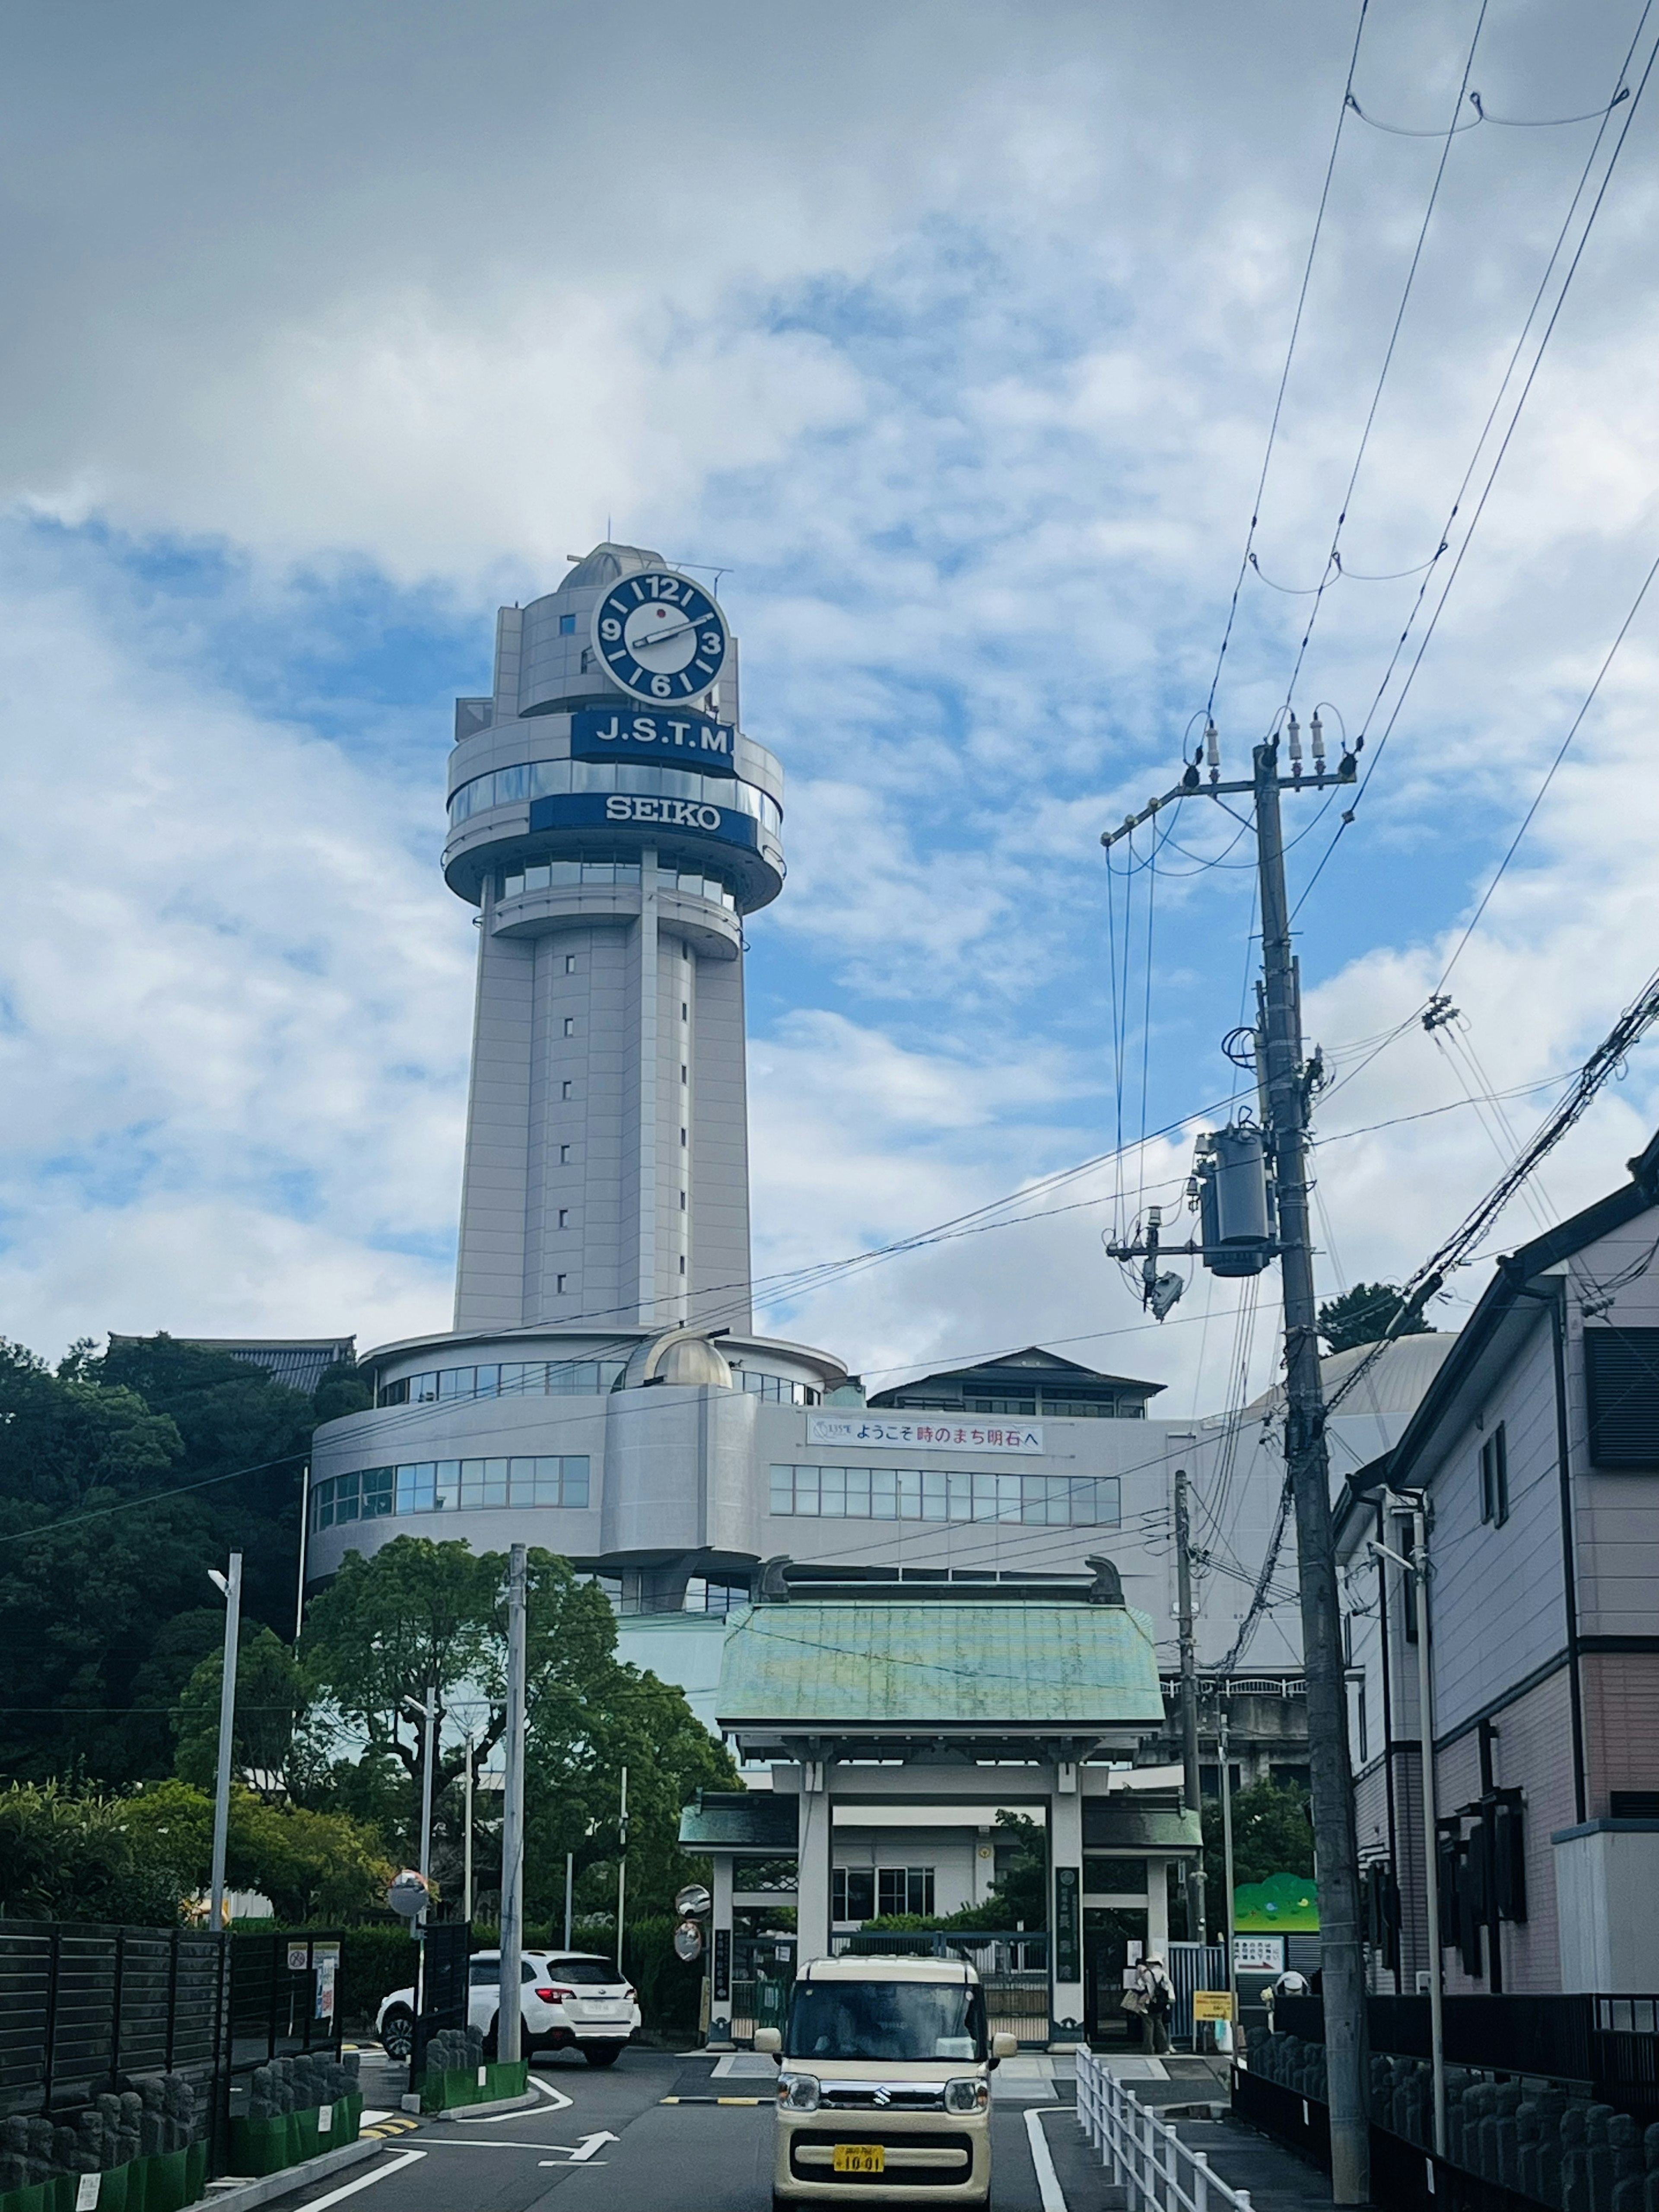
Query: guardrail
[[1144, 2156]]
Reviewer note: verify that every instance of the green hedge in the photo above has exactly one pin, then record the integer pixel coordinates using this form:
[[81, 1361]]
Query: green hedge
[[373, 1962]]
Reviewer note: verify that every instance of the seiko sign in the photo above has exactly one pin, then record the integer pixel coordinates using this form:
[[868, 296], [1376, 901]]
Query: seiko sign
[[709, 747], [584, 810]]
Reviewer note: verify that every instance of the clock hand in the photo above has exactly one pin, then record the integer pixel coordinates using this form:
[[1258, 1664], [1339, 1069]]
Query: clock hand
[[660, 637]]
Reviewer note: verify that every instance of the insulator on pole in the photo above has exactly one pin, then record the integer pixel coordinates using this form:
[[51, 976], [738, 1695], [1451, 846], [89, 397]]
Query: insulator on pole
[[1211, 745], [1293, 731], [1316, 739]]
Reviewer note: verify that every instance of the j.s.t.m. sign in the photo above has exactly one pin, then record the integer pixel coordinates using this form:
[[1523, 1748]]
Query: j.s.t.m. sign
[[711, 748]]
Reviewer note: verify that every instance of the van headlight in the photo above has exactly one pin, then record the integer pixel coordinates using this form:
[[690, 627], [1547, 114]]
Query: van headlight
[[969, 2093], [799, 2092]]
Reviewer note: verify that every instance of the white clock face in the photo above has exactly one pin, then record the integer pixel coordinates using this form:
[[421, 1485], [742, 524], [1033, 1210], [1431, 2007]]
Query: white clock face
[[660, 637]]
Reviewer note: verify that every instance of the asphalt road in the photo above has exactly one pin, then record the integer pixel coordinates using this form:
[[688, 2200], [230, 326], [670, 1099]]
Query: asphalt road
[[618, 2147]]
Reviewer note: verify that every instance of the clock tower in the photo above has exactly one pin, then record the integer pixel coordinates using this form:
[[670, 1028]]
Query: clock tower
[[613, 826]]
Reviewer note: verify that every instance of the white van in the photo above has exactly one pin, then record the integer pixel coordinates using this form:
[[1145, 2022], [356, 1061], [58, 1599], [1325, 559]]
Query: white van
[[886, 2071]]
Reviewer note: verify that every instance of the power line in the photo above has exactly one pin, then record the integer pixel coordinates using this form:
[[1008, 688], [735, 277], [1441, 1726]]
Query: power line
[[1290, 355]]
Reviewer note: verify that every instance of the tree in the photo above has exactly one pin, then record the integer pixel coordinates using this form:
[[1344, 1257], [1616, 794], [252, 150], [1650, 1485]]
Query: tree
[[67, 1857], [273, 1749], [1272, 1834], [419, 1611], [310, 1865], [1366, 1313]]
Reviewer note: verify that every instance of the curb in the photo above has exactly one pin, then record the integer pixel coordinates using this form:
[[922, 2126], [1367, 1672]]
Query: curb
[[479, 2111], [245, 2195]]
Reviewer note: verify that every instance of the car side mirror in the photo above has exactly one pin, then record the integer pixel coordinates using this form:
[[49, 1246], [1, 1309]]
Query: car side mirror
[[1003, 2045], [768, 2042]]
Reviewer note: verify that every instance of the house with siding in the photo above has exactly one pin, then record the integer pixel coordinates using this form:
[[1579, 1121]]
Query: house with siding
[[1536, 1449]]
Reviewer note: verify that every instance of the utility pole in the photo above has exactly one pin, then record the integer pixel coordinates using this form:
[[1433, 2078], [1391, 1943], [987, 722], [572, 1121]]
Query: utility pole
[[1225, 1777], [622, 1872], [508, 2006], [570, 1898], [1192, 1781], [230, 1588], [1308, 1465], [1285, 1081], [466, 1846], [1416, 1569]]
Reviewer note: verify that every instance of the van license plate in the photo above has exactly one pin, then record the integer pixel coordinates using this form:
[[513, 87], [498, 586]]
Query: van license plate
[[860, 2158]]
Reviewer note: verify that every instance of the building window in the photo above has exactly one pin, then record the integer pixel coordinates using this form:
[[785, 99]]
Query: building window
[[566, 1090], [564, 1216], [685, 1011], [682, 1201], [564, 1156], [570, 963], [449, 1484], [1495, 1477], [535, 1378], [567, 625], [559, 1283], [587, 659], [903, 1889], [852, 1893], [910, 1493], [685, 1072], [682, 1263], [682, 1136], [569, 1025], [1621, 1384]]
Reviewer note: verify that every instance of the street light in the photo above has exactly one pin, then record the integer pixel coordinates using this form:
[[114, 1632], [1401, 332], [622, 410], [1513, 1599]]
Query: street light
[[428, 1713], [230, 1588]]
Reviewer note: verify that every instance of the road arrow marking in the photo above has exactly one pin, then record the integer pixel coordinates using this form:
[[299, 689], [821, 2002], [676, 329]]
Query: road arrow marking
[[582, 2152], [557, 2097]]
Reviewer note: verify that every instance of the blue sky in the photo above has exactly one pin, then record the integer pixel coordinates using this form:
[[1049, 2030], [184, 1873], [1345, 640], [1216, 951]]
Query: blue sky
[[952, 334]]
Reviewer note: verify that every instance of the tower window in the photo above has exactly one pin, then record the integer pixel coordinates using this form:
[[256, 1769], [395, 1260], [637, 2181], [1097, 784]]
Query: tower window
[[685, 1011], [587, 659], [564, 1156], [570, 963], [564, 1216], [684, 1075], [567, 1089], [559, 1282], [570, 1025], [682, 1263], [682, 1136], [567, 625], [682, 1201]]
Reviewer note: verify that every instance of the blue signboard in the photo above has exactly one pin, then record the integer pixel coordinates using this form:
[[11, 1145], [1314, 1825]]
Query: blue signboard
[[593, 810], [710, 748]]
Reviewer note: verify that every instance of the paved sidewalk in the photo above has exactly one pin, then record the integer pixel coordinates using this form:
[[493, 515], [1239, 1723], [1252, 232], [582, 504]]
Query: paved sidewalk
[[1277, 2179]]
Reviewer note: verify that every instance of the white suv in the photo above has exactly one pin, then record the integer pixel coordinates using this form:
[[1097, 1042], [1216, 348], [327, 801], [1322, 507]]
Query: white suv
[[570, 1999]]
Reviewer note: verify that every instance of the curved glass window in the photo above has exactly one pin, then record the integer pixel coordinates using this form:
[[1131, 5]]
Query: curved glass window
[[555, 779], [534, 1378], [437, 1485], [557, 1378], [566, 875], [938, 1493]]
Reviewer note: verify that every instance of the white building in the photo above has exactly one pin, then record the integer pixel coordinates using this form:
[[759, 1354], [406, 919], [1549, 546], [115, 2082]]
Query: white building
[[602, 1392]]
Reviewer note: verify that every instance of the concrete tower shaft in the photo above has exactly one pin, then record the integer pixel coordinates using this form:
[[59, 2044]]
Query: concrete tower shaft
[[612, 850]]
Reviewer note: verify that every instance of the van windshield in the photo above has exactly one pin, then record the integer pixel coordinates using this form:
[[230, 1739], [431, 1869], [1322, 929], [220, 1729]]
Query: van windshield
[[915, 2020]]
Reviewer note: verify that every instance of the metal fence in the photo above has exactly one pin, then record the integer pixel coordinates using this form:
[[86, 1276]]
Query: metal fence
[[1193, 1967], [86, 2008], [1142, 2154], [82, 2006]]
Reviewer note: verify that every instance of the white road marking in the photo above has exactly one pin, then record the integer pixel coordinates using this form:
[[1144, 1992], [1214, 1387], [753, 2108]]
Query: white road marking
[[1049, 2188], [381, 2174], [559, 2099]]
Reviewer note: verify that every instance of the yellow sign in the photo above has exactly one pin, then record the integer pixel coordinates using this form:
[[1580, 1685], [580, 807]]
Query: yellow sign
[[1212, 2004]]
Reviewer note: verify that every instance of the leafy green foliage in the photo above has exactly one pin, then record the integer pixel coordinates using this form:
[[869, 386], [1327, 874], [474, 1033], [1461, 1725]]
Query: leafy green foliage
[[272, 1749], [1365, 1314], [66, 1857], [1272, 1834], [105, 1546], [312, 1866]]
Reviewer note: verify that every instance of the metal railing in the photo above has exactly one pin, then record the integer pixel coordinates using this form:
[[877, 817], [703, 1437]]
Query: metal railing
[[1143, 2155]]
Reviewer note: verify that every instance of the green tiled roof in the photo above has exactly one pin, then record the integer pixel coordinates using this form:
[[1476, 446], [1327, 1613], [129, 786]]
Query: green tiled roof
[[738, 1820], [887, 1663]]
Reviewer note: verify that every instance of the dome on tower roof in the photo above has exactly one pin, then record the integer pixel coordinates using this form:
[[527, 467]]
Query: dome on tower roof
[[680, 1355], [608, 561]]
